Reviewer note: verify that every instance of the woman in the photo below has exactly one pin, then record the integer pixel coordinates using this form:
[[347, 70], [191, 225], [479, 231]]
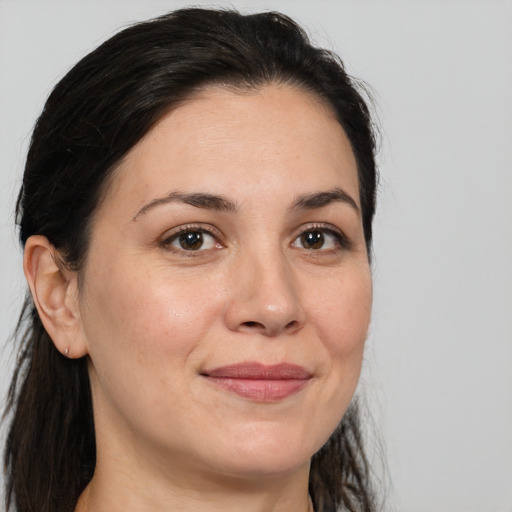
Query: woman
[[196, 215]]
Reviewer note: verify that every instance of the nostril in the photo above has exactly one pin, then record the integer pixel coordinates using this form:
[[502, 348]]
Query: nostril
[[252, 325], [292, 325], [269, 329]]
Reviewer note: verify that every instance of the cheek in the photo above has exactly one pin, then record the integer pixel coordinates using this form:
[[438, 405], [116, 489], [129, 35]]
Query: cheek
[[343, 313], [143, 335], [147, 318]]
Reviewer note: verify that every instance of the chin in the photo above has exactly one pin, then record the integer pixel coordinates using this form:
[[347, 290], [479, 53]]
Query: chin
[[271, 454], [264, 468]]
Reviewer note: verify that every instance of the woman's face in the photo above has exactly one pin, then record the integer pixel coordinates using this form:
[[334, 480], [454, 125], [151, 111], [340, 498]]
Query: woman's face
[[227, 292]]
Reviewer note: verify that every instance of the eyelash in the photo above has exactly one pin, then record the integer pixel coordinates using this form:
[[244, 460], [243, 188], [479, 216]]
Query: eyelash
[[190, 228], [340, 239]]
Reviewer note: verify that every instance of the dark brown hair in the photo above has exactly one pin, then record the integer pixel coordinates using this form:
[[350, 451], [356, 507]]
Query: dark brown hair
[[93, 117]]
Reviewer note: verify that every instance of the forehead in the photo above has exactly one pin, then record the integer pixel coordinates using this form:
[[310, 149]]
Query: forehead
[[221, 140]]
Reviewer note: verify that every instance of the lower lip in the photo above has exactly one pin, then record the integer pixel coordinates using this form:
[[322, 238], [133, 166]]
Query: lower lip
[[267, 390]]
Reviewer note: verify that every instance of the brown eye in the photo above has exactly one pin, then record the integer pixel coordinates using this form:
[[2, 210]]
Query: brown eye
[[319, 240], [192, 240], [312, 239]]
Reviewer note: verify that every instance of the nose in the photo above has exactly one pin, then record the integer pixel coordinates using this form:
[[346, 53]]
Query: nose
[[266, 297]]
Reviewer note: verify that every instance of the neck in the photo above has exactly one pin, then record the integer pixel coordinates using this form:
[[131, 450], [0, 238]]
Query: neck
[[101, 496]]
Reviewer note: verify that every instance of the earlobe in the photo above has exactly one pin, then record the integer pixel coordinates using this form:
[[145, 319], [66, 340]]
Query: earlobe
[[55, 293]]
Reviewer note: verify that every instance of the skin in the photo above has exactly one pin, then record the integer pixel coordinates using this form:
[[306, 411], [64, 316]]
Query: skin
[[152, 315]]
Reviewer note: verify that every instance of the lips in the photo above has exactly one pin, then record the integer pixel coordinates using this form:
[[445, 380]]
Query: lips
[[259, 382]]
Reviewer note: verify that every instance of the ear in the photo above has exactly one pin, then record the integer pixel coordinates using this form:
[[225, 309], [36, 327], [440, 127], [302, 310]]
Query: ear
[[54, 289]]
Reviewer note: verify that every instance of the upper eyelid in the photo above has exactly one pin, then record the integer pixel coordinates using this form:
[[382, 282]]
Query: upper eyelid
[[207, 228], [320, 227], [342, 238], [166, 241]]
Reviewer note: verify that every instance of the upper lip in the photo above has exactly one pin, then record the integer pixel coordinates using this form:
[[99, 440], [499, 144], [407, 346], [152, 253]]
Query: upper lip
[[259, 371]]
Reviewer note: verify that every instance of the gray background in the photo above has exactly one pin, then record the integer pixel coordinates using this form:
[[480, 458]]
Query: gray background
[[437, 375]]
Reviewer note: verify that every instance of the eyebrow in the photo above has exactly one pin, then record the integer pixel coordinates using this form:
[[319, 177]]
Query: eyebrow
[[199, 200], [320, 199], [219, 203]]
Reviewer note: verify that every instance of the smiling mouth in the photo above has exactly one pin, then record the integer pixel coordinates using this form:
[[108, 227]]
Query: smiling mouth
[[259, 382]]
